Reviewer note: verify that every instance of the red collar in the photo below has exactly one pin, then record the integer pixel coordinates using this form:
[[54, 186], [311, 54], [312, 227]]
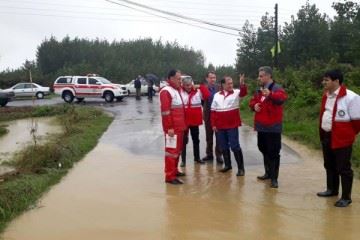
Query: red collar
[[222, 92], [342, 91]]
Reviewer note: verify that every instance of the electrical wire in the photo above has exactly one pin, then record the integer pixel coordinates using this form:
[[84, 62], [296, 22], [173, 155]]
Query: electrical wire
[[174, 14]]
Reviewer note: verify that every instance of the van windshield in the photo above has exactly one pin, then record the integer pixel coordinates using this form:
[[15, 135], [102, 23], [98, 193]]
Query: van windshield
[[103, 80]]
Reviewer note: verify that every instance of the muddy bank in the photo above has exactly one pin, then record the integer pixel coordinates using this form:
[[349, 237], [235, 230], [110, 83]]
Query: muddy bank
[[112, 194]]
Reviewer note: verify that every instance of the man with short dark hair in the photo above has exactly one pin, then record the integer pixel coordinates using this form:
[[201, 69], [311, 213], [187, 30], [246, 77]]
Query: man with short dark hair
[[267, 103], [213, 88], [174, 126], [339, 125]]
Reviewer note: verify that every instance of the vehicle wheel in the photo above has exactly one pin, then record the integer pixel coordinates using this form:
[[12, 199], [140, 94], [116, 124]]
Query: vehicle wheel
[[3, 102], [79, 100], [129, 92], [68, 96], [119, 99], [109, 97], [39, 95]]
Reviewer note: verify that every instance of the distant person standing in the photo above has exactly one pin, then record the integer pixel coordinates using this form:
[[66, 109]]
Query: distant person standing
[[174, 126], [150, 84], [192, 96], [339, 125], [225, 121], [137, 85], [267, 103], [213, 88]]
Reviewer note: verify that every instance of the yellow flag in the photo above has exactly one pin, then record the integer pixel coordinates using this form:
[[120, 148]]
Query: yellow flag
[[272, 50]]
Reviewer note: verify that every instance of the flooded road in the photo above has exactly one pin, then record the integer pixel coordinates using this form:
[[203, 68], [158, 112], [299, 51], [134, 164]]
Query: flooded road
[[117, 192]]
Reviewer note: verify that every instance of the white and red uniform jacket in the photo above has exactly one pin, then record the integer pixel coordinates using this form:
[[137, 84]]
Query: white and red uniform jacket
[[192, 102], [345, 119], [225, 108], [172, 109]]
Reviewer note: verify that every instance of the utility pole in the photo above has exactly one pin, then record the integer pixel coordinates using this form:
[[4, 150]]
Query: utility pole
[[276, 56]]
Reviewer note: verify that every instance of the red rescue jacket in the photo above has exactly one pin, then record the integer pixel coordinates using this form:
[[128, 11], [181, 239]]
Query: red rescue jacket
[[225, 108], [192, 102], [172, 109], [270, 117], [345, 120]]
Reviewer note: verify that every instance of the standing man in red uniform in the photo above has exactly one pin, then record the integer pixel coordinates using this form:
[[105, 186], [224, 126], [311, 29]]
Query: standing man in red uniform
[[267, 103], [193, 96], [225, 121], [339, 125], [174, 126]]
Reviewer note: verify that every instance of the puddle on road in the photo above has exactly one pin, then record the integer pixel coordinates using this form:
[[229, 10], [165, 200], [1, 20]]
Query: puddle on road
[[19, 134], [112, 194]]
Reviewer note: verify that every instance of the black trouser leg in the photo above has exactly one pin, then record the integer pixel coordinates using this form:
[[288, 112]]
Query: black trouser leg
[[274, 147], [262, 145], [194, 131], [209, 138], [183, 152], [332, 177], [343, 167]]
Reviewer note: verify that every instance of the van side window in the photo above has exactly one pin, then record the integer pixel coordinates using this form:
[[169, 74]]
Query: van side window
[[62, 80], [93, 81], [81, 80]]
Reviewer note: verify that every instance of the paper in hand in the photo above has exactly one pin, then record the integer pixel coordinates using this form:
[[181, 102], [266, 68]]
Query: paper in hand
[[170, 142]]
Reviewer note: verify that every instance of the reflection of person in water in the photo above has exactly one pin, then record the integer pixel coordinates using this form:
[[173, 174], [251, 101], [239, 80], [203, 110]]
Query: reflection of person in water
[[174, 126]]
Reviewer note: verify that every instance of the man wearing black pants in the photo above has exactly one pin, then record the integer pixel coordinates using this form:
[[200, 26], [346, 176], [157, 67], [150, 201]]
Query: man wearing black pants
[[269, 144], [267, 103], [339, 125], [194, 132], [213, 89]]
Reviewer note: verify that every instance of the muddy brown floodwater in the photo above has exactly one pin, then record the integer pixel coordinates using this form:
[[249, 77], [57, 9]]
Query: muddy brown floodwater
[[117, 194], [19, 136]]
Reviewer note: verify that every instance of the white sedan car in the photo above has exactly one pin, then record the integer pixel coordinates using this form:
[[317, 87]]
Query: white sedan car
[[29, 90], [144, 87]]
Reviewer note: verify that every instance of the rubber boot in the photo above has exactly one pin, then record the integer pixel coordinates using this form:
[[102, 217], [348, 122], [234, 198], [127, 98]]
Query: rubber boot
[[227, 161], [240, 162]]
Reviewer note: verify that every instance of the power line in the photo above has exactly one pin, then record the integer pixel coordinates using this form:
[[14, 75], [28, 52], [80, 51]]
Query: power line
[[112, 9], [174, 14], [117, 19], [98, 13], [126, 19]]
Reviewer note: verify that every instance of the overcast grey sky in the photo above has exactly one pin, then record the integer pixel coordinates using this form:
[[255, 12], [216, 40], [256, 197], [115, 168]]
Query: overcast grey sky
[[25, 23]]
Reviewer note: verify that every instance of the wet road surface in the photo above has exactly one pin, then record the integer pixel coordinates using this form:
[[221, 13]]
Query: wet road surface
[[117, 192]]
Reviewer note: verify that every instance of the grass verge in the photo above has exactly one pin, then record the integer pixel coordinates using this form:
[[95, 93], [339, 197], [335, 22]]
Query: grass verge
[[43, 165]]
